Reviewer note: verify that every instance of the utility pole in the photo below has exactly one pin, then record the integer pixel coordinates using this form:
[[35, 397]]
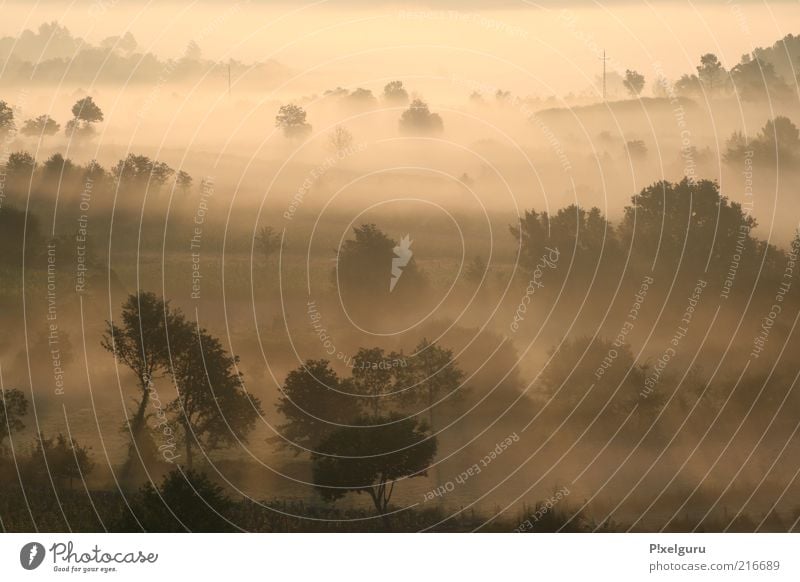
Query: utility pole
[[229, 79], [604, 59]]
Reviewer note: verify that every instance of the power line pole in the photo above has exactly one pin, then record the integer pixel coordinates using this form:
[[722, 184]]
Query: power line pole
[[604, 59]]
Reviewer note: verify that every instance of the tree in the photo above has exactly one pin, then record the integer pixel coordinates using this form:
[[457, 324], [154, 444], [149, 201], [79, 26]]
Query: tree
[[136, 169], [183, 181], [64, 459], [361, 98], [13, 407], [86, 110], [688, 86], [432, 374], [141, 343], [57, 165], [371, 456], [314, 401], [185, 501], [42, 125], [779, 139], [573, 230], [21, 164], [634, 82], [755, 79], [340, 140], [572, 370], [268, 241], [292, 120], [364, 269], [395, 93], [212, 407], [7, 124], [710, 72], [688, 222], [85, 113], [418, 120], [782, 135], [373, 372]]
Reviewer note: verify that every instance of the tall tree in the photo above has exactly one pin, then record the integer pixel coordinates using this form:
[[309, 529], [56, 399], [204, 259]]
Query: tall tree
[[212, 407], [141, 342], [710, 72], [371, 456]]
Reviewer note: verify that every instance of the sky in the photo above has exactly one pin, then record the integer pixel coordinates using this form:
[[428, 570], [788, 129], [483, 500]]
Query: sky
[[543, 48]]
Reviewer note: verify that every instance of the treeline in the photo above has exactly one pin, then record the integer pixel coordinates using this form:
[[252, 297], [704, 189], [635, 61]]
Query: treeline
[[52, 52]]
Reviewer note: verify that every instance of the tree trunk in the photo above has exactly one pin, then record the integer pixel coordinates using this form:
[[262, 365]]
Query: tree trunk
[[188, 450], [137, 425]]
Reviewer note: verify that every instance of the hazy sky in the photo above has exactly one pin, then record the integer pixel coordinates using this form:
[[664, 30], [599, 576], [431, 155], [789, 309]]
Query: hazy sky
[[529, 47]]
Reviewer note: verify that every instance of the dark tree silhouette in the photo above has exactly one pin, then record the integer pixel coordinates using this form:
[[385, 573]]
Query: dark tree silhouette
[[13, 408], [136, 169], [418, 120], [367, 458], [364, 270], [185, 501], [42, 125], [374, 373], [779, 139], [21, 165], [7, 124], [183, 182], [141, 342], [361, 99], [395, 93], [85, 113], [64, 459], [86, 110], [634, 82], [314, 401], [687, 221], [755, 79], [292, 120], [212, 406], [545, 239], [711, 72], [432, 374]]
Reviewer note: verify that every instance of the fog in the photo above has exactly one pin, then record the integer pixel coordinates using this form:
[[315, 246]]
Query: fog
[[608, 280]]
